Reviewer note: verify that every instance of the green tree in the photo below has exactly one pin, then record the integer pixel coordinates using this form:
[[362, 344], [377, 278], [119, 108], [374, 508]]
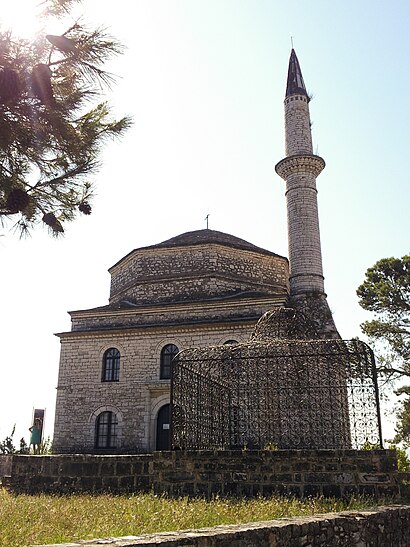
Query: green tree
[[7, 445], [403, 418], [386, 292], [53, 122]]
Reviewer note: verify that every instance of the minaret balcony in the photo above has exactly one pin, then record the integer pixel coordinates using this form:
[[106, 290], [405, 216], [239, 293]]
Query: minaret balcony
[[300, 163]]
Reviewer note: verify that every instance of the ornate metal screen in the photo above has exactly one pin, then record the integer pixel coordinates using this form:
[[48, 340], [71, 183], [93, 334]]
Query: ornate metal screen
[[288, 393]]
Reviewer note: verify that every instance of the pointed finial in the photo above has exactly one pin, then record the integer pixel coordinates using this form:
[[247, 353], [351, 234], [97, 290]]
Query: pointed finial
[[207, 218], [295, 83], [291, 41]]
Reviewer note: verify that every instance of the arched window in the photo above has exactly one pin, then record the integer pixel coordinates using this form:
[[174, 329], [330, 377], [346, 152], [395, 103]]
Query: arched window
[[111, 366], [106, 430], [231, 342], [168, 352]]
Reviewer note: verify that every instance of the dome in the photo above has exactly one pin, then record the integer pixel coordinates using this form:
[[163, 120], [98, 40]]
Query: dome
[[206, 236]]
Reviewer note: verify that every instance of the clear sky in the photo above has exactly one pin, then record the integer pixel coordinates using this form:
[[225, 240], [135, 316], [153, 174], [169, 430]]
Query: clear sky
[[205, 82]]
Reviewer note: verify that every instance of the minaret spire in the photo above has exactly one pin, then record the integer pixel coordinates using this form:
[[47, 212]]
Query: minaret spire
[[299, 169], [295, 84]]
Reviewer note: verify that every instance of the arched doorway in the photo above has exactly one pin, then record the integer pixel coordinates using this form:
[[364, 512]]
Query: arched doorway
[[163, 428]]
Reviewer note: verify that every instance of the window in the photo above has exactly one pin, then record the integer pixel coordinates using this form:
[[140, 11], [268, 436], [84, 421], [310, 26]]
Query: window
[[106, 430], [111, 366], [167, 354], [230, 342]]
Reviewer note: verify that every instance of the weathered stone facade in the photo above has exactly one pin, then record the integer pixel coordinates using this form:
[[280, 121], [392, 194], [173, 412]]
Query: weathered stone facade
[[198, 289]]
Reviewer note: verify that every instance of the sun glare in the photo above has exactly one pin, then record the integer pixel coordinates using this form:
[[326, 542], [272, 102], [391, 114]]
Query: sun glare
[[21, 17]]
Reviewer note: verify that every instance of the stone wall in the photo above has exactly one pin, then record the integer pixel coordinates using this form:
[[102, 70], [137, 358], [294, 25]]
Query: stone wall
[[298, 135], [230, 310], [138, 395], [207, 473], [154, 275], [381, 527], [5, 465]]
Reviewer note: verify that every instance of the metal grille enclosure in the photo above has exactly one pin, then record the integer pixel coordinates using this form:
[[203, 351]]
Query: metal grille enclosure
[[286, 393]]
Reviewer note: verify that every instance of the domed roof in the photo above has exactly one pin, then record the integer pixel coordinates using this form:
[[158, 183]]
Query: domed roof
[[201, 237]]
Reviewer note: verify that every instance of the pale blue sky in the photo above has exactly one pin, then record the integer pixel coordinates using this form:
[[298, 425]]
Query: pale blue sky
[[205, 82]]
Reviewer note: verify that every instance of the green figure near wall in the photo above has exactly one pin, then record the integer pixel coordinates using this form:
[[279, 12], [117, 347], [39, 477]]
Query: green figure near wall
[[35, 438]]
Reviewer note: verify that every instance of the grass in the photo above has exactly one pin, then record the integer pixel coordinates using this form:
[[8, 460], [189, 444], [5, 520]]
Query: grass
[[41, 519]]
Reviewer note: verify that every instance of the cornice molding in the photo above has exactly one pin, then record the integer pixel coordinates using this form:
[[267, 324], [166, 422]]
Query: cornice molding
[[300, 164]]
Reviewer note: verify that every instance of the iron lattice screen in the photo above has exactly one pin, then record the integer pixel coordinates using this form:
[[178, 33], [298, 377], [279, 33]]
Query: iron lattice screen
[[291, 394]]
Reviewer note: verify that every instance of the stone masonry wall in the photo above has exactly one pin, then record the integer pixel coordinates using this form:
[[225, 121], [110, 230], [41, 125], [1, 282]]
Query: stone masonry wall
[[138, 395], [188, 288], [381, 527], [297, 126], [299, 169], [207, 473], [230, 310], [145, 269], [5, 465], [306, 274]]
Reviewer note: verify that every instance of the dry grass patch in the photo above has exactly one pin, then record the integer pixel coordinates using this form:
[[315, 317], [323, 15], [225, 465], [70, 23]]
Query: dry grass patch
[[42, 519]]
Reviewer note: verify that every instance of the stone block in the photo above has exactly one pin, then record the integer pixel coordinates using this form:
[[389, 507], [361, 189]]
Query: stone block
[[126, 484], [90, 469], [177, 476], [124, 468], [331, 491], [88, 484], [110, 483], [311, 490], [374, 478], [143, 483]]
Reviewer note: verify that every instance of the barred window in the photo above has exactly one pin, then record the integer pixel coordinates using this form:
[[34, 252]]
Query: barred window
[[111, 366], [168, 352], [106, 430]]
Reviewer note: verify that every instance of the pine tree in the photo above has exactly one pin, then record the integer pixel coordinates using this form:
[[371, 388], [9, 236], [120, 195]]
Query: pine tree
[[52, 122], [386, 292]]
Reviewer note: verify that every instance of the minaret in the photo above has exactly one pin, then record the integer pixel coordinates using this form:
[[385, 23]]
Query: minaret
[[299, 169]]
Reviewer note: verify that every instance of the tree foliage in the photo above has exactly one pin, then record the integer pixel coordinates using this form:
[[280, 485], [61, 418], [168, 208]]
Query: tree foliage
[[386, 293], [403, 418], [53, 121], [7, 445]]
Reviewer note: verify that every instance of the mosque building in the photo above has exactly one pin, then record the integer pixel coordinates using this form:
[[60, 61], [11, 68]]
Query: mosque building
[[200, 288]]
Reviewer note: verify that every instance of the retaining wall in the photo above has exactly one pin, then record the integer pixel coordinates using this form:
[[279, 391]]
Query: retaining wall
[[5, 465], [207, 473], [382, 527]]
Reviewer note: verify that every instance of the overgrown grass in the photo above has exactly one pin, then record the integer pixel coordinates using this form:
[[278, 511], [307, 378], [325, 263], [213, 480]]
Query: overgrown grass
[[41, 519]]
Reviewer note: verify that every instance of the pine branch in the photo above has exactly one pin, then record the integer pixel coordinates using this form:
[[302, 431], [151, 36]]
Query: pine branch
[[49, 141]]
